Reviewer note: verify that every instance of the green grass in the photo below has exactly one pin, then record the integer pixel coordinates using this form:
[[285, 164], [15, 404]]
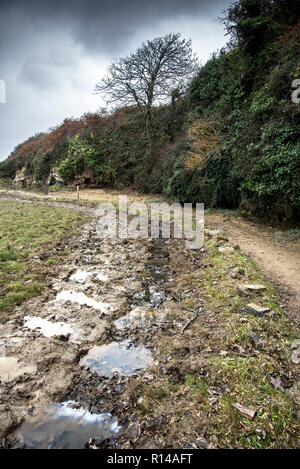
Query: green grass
[[243, 375], [197, 387], [28, 230], [249, 384], [248, 378]]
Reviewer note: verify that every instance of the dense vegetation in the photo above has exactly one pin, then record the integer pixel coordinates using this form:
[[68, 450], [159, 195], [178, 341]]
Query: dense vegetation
[[231, 141]]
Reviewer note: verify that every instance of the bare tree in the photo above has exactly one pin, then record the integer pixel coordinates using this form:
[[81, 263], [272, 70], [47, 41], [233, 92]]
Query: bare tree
[[158, 70]]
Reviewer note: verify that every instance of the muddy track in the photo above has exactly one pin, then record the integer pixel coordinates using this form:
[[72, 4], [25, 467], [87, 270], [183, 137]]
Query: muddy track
[[19, 197], [91, 361], [104, 306]]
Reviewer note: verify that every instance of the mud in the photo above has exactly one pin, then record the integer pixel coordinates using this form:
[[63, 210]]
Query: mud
[[83, 340]]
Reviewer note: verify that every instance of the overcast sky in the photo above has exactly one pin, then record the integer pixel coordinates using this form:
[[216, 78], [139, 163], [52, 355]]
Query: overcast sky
[[52, 52]]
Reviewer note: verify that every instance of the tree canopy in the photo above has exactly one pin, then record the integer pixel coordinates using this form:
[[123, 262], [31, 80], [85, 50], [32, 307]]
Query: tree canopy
[[158, 70]]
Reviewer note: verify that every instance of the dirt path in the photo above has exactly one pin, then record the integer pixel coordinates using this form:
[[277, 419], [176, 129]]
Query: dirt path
[[149, 345], [281, 262]]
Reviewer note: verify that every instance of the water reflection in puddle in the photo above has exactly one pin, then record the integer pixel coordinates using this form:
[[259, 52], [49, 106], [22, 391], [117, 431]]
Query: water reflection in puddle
[[138, 317], [2, 348], [64, 427], [48, 328], [80, 276], [156, 276], [82, 299], [117, 358], [11, 369], [102, 277]]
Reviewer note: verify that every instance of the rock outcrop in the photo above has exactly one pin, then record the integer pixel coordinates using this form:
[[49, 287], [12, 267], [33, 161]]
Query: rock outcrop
[[54, 177], [86, 179], [22, 180]]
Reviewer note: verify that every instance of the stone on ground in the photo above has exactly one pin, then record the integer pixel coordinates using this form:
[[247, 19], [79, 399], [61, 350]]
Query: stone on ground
[[257, 310]]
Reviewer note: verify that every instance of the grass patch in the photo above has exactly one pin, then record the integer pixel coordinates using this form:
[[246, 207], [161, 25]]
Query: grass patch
[[197, 387], [249, 384], [248, 377], [27, 231]]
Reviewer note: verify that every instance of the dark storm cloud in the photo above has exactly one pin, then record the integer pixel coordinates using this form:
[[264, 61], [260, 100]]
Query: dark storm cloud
[[52, 52], [107, 24], [120, 19]]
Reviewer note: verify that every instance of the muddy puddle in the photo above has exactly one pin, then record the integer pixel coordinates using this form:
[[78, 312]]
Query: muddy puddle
[[50, 329], [82, 299], [10, 368], [2, 348], [150, 294], [81, 276], [155, 276], [102, 277], [117, 358], [64, 426], [157, 265], [137, 317]]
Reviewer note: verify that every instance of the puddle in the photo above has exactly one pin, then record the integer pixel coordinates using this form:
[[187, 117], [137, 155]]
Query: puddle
[[80, 276], [138, 317], [65, 427], [150, 294], [156, 297], [156, 276], [119, 288], [117, 358], [102, 277], [48, 328], [10, 369], [82, 299]]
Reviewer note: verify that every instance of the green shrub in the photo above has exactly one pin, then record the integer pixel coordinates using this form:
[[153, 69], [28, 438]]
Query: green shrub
[[262, 102], [41, 166], [74, 162]]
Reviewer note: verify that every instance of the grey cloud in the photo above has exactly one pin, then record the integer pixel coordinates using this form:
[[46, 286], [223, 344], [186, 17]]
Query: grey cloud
[[106, 24]]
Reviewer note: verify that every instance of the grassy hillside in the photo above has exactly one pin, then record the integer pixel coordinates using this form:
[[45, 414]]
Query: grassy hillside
[[231, 141]]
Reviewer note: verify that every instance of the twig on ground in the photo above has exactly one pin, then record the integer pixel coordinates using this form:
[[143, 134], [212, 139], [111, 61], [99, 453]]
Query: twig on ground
[[191, 320], [183, 307]]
